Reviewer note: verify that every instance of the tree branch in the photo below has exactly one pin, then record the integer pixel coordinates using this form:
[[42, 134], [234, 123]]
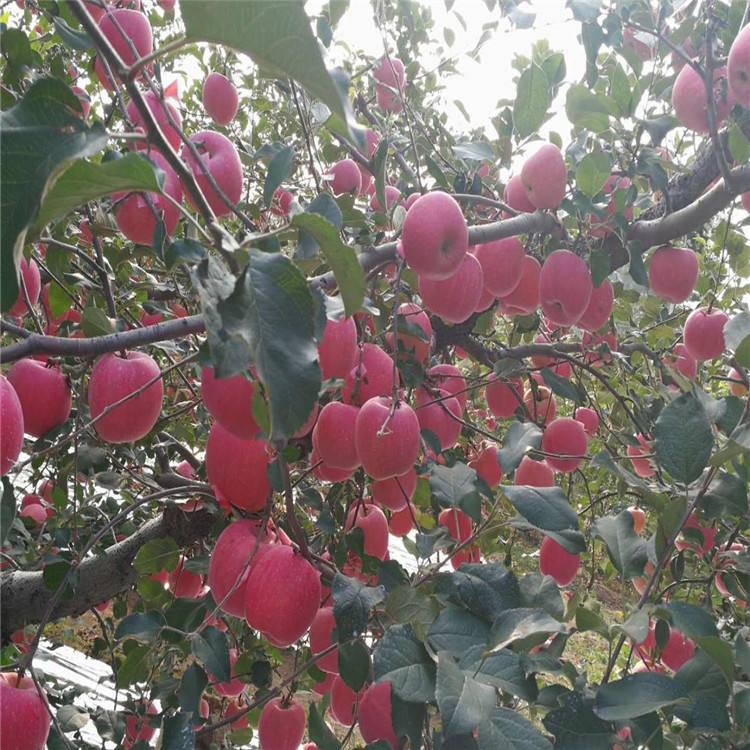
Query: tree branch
[[25, 597]]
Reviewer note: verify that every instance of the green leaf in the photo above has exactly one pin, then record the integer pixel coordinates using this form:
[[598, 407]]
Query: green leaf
[[520, 437], [41, 135], [341, 259], [94, 322], [626, 549], [726, 496], [693, 621], [323, 205], [7, 509], [705, 684], [456, 631], [71, 718], [463, 702], [192, 685], [141, 626], [683, 438], [586, 619], [276, 34], [156, 555], [739, 146], [561, 386], [637, 695], [521, 623], [135, 668], [737, 337], [533, 98], [210, 648], [86, 181], [592, 173], [408, 721], [575, 726], [474, 151], [456, 486], [503, 669], [78, 40], [352, 602], [586, 109], [177, 731], [548, 510], [484, 589], [509, 730], [542, 592], [409, 605], [267, 320], [354, 663], [278, 171], [184, 251], [319, 732], [399, 658], [721, 653]]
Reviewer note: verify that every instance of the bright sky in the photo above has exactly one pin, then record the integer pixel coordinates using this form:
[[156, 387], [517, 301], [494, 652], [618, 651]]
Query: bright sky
[[479, 85]]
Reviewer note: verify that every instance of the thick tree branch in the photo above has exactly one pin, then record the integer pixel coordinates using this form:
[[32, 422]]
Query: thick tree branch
[[25, 597]]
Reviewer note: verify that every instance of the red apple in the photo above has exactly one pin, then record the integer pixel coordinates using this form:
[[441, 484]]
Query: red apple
[[281, 725], [738, 68], [487, 465], [394, 493], [565, 442], [326, 473], [678, 650], [344, 702], [639, 518], [588, 418], [236, 550], [230, 402], [390, 76], [540, 404], [114, 377], [374, 715], [137, 727], [673, 272], [689, 99], [29, 271], [449, 378], [737, 385], [502, 265], [411, 316], [135, 217], [402, 521], [162, 110], [454, 299], [183, 583], [333, 436], [387, 443], [544, 176], [597, 312], [44, 394], [565, 288], [604, 226], [220, 99], [126, 30], [34, 511], [435, 236], [84, 99], [708, 534], [282, 595], [503, 397], [238, 469], [374, 525], [324, 686], [681, 361], [344, 177], [641, 466], [234, 686], [524, 299], [703, 333], [337, 350], [321, 638], [516, 197], [557, 562], [281, 202], [219, 156], [439, 413], [459, 525], [372, 375], [392, 197]]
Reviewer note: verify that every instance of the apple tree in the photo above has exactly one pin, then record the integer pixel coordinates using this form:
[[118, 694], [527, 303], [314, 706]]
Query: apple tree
[[329, 422]]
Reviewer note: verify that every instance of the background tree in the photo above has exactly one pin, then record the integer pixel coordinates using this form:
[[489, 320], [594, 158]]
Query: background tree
[[256, 329]]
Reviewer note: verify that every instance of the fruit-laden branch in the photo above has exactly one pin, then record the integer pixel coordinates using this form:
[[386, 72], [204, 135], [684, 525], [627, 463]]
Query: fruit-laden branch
[[24, 597], [91, 347]]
